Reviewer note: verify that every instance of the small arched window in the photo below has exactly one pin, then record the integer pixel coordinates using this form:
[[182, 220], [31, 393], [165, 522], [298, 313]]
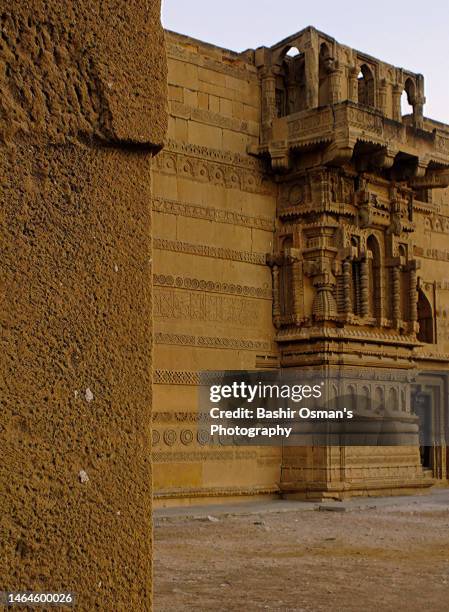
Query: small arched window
[[425, 319], [393, 403], [366, 86], [293, 52], [379, 399], [408, 97], [290, 82]]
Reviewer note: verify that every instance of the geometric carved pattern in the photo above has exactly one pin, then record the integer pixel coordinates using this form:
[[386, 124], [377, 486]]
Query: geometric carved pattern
[[180, 416], [211, 342], [171, 377], [209, 251], [210, 455], [219, 215], [211, 286]]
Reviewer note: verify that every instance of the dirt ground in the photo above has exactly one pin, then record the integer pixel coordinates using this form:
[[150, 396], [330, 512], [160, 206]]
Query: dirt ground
[[381, 556]]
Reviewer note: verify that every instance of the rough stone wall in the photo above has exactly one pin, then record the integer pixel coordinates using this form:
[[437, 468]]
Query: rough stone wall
[[82, 112]]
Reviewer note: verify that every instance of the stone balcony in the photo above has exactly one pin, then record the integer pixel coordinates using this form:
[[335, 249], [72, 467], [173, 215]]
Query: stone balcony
[[347, 130]]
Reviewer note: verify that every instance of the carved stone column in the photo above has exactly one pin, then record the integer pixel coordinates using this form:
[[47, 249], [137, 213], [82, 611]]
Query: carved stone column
[[382, 99], [347, 301], [311, 53], [418, 112], [396, 292], [413, 294], [268, 93], [396, 93], [324, 306], [335, 84], [364, 287], [353, 87]]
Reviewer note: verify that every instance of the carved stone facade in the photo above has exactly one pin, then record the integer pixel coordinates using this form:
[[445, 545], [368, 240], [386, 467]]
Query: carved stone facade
[[300, 220]]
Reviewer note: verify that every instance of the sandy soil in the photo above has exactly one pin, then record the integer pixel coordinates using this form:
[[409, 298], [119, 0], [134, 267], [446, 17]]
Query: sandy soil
[[371, 559]]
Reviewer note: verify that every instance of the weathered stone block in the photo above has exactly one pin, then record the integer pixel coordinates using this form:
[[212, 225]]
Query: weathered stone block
[[83, 92]]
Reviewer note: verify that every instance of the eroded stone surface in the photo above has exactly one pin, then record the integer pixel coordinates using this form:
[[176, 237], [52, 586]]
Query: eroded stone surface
[[79, 82]]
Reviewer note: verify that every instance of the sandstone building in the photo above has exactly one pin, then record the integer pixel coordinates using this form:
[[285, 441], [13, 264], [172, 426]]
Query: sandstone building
[[300, 218]]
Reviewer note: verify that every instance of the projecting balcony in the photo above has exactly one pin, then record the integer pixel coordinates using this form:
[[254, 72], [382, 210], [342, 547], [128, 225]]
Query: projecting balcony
[[345, 131]]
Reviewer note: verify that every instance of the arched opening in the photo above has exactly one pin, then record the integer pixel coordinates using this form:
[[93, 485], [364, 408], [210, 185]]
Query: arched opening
[[408, 97], [324, 61], [403, 401], [366, 398], [393, 403], [290, 83], [351, 397], [366, 86], [374, 272], [379, 400], [293, 52], [425, 319]]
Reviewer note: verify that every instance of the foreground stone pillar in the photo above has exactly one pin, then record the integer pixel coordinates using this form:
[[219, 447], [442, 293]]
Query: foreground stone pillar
[[82, 112]]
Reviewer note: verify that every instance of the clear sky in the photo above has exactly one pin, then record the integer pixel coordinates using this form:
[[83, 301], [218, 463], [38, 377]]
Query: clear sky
[[413, 34]]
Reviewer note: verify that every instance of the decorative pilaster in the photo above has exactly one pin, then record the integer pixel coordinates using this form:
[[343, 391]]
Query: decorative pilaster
[[335, 84], [396, 292], [353, 88], [269, 111], [413, 294], [418, 112], [382, 99], [396, 93], [364, 287], [276, 301], [311, 70], [347, 268]]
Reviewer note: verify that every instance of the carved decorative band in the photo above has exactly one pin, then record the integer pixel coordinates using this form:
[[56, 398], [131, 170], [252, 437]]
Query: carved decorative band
[[438, 254], [215, 491], [209, 455], [172, 303], [173, 377], [196, 284], [196, 211], [211, 342], [215, 155], [212, 166], [209, 251], [180, 416], [182, 377]]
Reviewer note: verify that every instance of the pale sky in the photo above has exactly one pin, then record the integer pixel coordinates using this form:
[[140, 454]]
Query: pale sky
[[413, 35]]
